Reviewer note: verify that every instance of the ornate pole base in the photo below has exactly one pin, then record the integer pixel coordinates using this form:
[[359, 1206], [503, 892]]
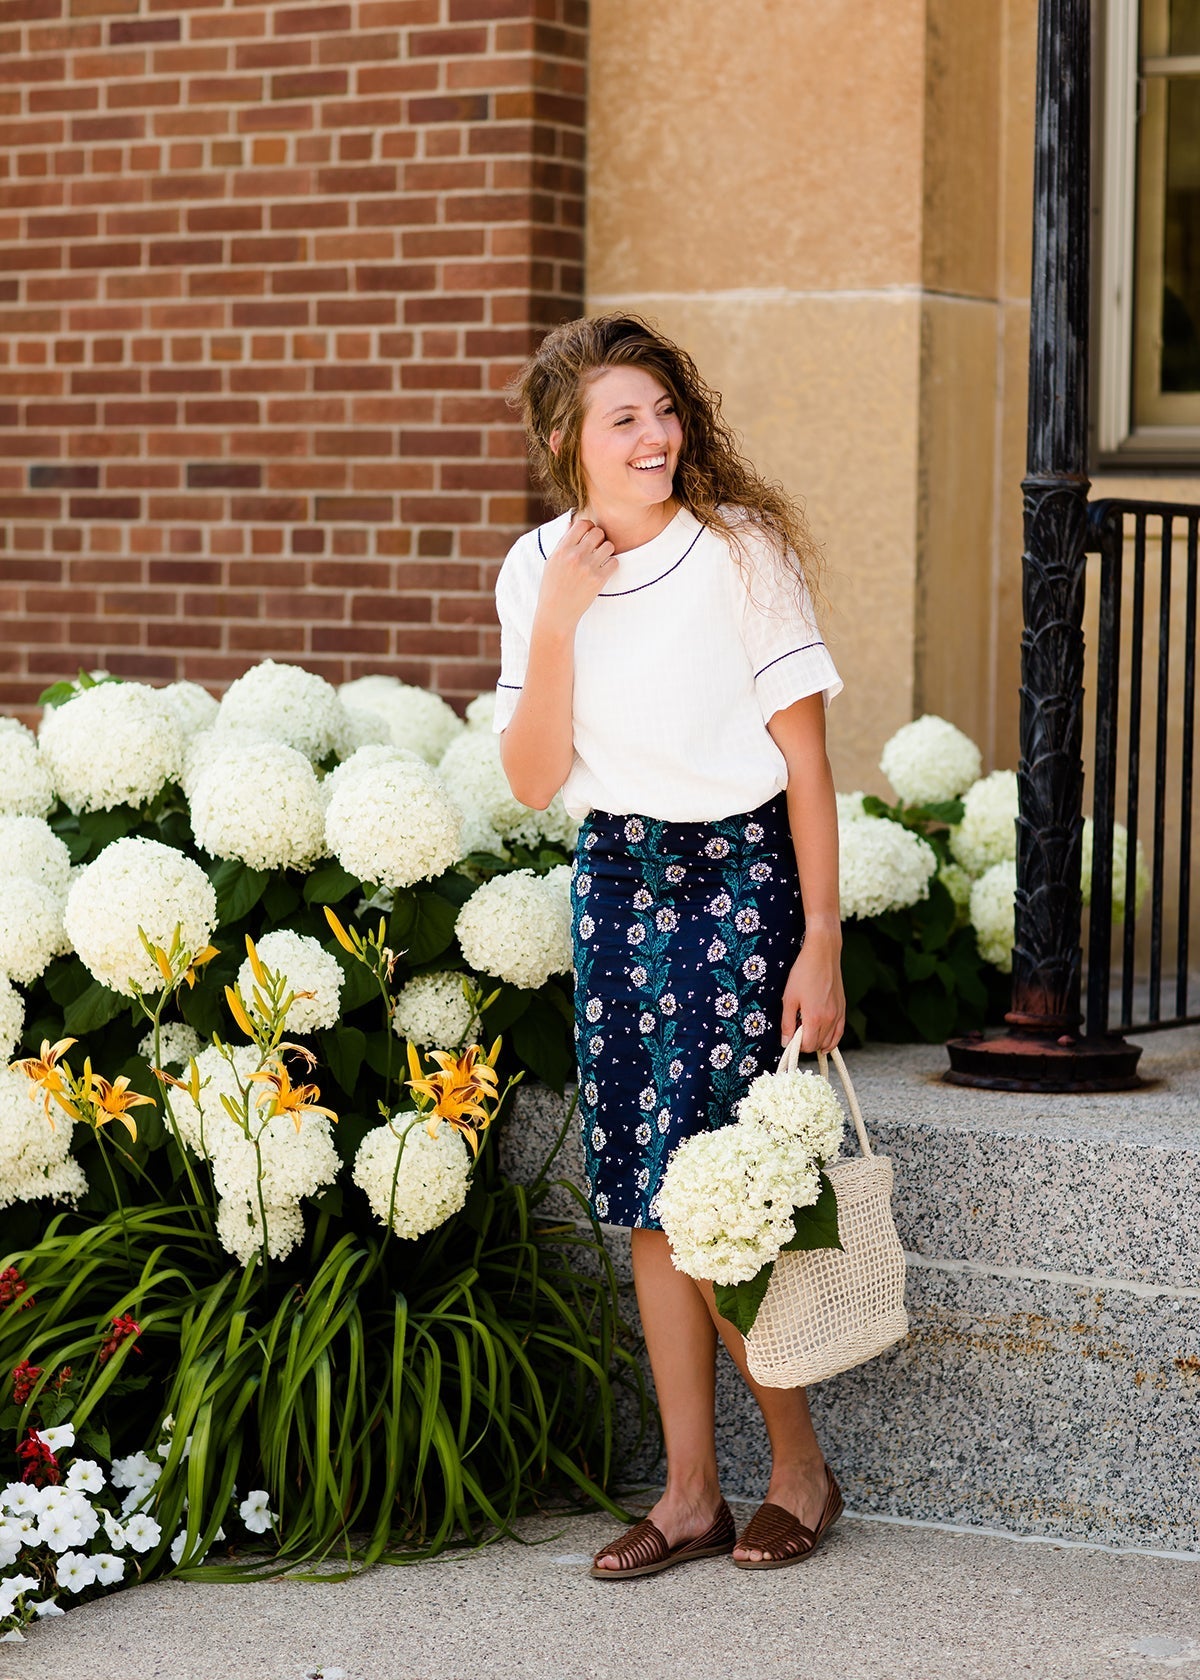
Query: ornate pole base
[[1017, 1061]]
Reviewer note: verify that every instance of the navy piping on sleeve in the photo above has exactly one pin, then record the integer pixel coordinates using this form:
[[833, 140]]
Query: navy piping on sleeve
[[787, 655], [541, 550], [516, 686]]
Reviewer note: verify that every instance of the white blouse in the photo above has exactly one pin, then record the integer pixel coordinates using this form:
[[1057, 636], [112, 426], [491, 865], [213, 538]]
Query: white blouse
[[678, 666]]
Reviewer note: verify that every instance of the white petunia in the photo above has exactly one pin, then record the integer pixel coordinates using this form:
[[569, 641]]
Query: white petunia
[[109, 1569], [133, 1471], [142, 1533], [988, 832], [260, 804], [12, 1017], [45, 1608], [307, 967], [882, 866], [59, 1530], [993, 914], [193, 707], [75, 1571], [392, 823], [137, 884], [255, 1511], [25, 786], [61, 1436], [30, 847], [517, 927], [85, 1476], [929, 761], [434, 1011], [115, 744], [429, 1174], [31, 929], [177, 1044], [415, 717], [291, 705]]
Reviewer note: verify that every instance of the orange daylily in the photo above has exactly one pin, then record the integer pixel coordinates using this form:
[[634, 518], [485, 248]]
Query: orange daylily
[[286, 1098], [460, 1092], [111, 1100], [43, 1071]]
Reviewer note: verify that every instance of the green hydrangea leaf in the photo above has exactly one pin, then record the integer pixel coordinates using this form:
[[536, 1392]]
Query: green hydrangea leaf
[[330, 884], [816, 1226], [93, 1008], [739, 1302]]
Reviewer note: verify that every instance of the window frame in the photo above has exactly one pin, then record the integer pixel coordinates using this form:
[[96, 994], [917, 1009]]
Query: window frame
[[1121, 441]]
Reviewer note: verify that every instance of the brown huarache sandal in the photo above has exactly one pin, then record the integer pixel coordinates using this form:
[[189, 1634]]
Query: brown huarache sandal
[[774, 1530], [643, 1549]]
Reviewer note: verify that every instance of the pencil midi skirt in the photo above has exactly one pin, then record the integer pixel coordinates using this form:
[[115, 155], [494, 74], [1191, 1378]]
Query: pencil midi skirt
[[684, 935]]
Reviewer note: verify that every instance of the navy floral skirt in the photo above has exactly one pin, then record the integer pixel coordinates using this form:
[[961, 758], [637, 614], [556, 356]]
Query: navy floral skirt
[[684, 936]]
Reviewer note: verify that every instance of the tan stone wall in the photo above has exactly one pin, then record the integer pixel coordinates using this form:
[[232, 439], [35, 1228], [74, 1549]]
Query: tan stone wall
[[827, 209]]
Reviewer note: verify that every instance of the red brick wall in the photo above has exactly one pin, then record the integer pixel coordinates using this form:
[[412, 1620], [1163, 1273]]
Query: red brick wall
[[264, 271]]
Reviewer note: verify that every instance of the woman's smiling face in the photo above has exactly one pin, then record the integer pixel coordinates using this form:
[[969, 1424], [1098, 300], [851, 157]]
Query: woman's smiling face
[[630, 439]]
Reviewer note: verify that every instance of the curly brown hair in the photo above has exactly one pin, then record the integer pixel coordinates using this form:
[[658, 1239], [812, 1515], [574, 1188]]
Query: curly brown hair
[[713, 480]]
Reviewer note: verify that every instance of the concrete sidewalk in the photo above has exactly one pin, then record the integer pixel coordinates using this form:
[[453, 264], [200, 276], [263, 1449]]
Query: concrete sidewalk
[[879, 1601]]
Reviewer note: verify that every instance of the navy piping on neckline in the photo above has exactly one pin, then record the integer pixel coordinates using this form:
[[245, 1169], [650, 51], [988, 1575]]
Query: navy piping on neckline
[[615, 594], [787, 655]]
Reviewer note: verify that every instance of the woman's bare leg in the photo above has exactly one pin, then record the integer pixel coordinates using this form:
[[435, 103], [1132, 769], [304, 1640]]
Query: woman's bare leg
[[682, 1343], [798, 1480]]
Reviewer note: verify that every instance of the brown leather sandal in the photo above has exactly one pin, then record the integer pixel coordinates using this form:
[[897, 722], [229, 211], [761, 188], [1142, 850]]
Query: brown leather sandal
[[643, 1549], [774, 1530]]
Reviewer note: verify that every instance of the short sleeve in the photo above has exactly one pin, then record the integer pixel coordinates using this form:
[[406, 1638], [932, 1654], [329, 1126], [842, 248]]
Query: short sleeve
[[516, 599], [780, 635]]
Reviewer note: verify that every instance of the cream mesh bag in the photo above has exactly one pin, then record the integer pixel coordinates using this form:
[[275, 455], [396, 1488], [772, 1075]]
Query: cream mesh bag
[[828, 1309]]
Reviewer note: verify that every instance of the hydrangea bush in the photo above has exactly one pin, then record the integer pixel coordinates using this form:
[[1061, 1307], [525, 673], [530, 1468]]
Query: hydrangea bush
[[270, 901]]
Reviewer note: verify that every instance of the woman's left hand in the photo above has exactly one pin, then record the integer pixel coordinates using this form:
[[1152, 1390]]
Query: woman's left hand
[[815, 994]]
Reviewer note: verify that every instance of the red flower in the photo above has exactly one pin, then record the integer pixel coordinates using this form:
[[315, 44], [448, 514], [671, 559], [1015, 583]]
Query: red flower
[[12, 1286], [121, 1328], [24, 1378], [41, 1466]]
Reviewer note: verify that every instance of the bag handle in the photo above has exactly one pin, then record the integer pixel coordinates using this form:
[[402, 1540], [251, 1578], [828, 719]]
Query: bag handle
[[788, 1062]]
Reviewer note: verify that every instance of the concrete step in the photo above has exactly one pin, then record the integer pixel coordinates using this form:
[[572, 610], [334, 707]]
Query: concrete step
[[1050, 1384]]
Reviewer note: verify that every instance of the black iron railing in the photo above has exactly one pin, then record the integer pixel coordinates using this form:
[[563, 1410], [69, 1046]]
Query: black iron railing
[[1145, 686]]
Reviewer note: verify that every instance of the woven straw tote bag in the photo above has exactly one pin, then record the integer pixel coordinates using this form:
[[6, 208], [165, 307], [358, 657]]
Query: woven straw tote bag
[[828, 1309]]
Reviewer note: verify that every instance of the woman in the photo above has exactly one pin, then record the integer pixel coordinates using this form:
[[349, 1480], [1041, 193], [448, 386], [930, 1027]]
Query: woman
[[661, 666]]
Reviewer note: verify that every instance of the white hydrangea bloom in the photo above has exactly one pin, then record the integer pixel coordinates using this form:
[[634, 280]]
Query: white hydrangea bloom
[[30, 847], [289, 704], [957, 883], [518, 928], [993, 913], [115, 744], [208, 745], [12, 1017], [416, 718], [988, 832], [929, 760], [431, 1179], [308, 967], [35, 1158], [137, 883], [392, 823], [261, 804], [25, 786], [433, 1010], [194, 708], [800, 1107], [472, 771], [362, 729], [294, 1164], [31, 929], [481, 712], [850, 809], [177, 1044], [367, 757], [726, 1201], [882, 866], [1120, 863]]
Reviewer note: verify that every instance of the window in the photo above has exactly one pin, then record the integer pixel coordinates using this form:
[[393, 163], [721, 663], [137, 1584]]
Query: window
[[1149, 292]]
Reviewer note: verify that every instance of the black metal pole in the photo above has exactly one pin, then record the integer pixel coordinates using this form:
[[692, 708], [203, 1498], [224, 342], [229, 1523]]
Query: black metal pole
[[1042, 1049]]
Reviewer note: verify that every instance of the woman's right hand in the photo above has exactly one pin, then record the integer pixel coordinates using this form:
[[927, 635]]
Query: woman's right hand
[[575, 573]]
